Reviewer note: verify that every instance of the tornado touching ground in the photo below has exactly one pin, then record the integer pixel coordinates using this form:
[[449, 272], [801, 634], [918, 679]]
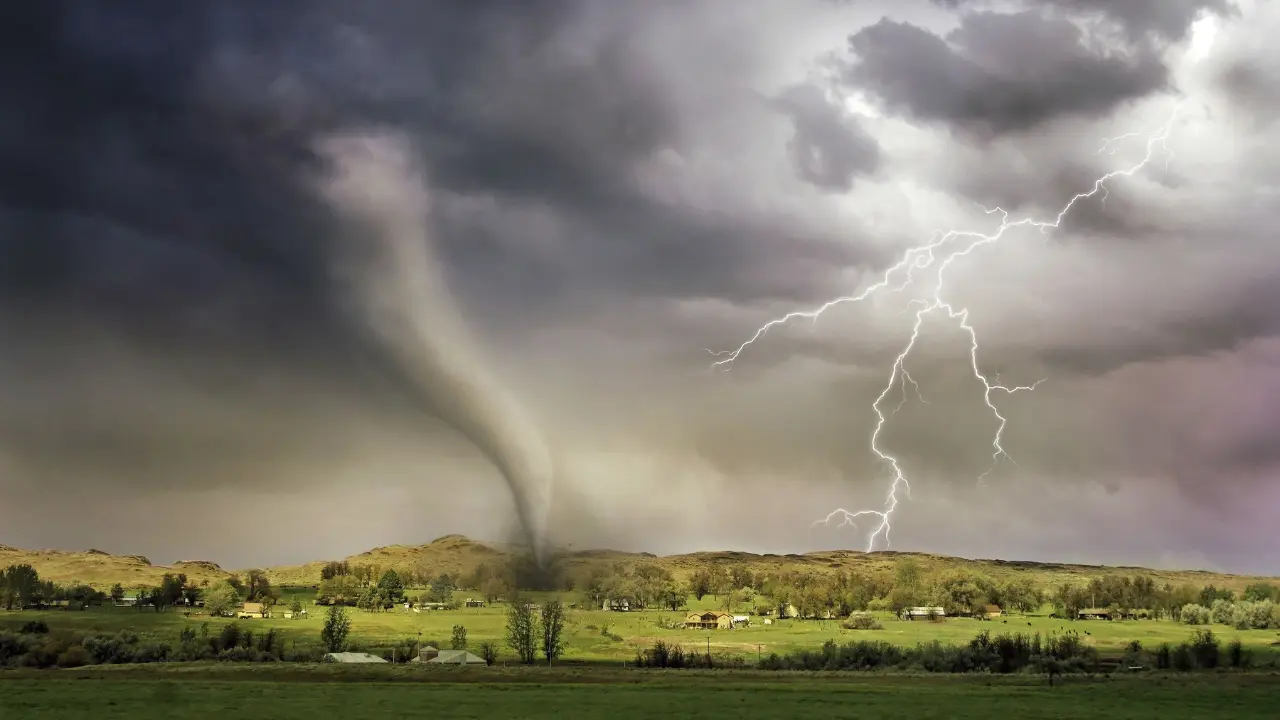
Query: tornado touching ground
[[387, 266]]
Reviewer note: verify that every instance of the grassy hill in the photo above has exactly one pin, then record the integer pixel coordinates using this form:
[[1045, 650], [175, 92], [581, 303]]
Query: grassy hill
[[456, 555]]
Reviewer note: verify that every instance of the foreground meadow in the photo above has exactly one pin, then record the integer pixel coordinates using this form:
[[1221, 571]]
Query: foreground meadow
[[307, 692], [598, 636]]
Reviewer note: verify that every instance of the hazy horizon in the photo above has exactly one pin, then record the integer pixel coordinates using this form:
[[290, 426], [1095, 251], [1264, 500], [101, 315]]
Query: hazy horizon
[[574, 202]]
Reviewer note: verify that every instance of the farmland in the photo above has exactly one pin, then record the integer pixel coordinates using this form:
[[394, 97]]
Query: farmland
[[284, 692], [600, 636]]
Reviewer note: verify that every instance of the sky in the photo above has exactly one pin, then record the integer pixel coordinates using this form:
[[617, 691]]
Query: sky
[[213, 348]]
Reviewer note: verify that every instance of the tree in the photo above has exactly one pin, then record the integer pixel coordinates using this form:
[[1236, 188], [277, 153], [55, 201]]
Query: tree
[[170, 590], [700, 583], [295, 607], [489, 652], [1258, 592], [258, 586], [221, 599], [392, 585], [458, 641], [117, 593], [191, 593], [21, 585], [336, 627], [335, 569], [552, 630], [522, 630]]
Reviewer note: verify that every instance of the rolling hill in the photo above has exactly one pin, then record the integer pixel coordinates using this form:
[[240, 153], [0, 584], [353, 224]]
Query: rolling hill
[[459, 555]]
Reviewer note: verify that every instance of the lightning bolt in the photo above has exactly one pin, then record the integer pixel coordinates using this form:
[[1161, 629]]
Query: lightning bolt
[[937, 255]]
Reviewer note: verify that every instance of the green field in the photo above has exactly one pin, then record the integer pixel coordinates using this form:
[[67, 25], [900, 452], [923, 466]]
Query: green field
[[283, 692], [587, 641]]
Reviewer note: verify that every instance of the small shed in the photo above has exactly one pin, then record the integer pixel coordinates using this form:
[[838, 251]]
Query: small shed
[[474, 603], [1096, 614], [426, 653], [456, 657], [992, 611], [353, 657]]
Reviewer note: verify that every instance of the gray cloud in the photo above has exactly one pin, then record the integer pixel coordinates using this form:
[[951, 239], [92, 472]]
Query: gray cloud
[[616, 188], [999, 73], [829, 148], [1170, 19]]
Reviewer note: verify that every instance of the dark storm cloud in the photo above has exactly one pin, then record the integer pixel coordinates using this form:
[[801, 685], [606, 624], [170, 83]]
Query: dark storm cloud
[[828, 148], [998, 73], [1169, 19]]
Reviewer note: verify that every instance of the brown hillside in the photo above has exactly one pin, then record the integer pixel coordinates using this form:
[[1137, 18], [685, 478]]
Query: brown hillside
[[102, 570], [459, 555]]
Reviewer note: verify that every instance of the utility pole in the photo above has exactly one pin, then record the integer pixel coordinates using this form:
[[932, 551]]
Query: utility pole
[[757, 653]]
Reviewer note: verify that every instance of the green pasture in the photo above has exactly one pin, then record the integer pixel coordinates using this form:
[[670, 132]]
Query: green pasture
[[586, 630], [284, 692]]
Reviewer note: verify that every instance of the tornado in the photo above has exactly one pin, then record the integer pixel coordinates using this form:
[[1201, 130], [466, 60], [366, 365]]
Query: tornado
[[389, 274]]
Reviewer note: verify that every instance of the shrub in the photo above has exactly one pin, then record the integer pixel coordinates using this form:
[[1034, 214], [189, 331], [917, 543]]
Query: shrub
[[1193, 614], [1221, 611], [34, 627], [861, 621], [74, 656]]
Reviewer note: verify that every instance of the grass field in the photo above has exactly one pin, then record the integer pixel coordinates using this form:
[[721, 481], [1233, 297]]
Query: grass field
[[287, 692], [587, 642]]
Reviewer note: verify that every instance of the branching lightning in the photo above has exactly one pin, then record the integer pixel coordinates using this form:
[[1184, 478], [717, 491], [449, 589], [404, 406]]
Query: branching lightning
[[941, 251]]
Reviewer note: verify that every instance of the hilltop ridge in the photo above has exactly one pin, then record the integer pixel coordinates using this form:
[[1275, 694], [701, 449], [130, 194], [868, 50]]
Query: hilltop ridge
[[459, 555]]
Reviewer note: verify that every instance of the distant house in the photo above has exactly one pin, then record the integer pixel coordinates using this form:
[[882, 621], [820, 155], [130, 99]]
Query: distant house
[[741, 620], [253, 610], [456, 657], [923, 613], [991, 611], [432, 606], [473, 602], [1096, 614], [353, 657], [709, 620], [126, 601], [619, 605]]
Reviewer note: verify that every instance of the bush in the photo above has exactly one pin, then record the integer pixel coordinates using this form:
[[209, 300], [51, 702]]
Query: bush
[[861, 621], [74, 656], [1221, 610], [34, 627], [1193, 614]]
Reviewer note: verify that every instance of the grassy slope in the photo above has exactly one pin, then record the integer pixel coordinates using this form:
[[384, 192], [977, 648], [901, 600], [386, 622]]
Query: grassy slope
[[457, 555], [187, 692]]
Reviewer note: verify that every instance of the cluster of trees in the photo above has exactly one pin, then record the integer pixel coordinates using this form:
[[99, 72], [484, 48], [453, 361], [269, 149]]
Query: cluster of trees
[[346, 587], [21, 588], [530, 629], [37, 647], [1239, 614]]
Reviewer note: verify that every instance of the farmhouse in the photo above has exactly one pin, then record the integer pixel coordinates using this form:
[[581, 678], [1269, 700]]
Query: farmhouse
[[1096, 614], [254, 610], [710, 620], [742, 621], [616, 605], [923, 613], [126, 601], [991, 611], [472, 602]]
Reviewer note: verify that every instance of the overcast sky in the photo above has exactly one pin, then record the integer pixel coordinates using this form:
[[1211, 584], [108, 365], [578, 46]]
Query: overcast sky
[[615, 189]]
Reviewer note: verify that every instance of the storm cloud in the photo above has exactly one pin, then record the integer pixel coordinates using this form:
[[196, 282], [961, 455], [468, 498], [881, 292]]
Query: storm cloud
[[617, 188]]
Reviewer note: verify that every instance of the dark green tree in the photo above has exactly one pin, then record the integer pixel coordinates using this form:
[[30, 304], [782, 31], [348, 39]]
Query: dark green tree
[[336, 628]]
